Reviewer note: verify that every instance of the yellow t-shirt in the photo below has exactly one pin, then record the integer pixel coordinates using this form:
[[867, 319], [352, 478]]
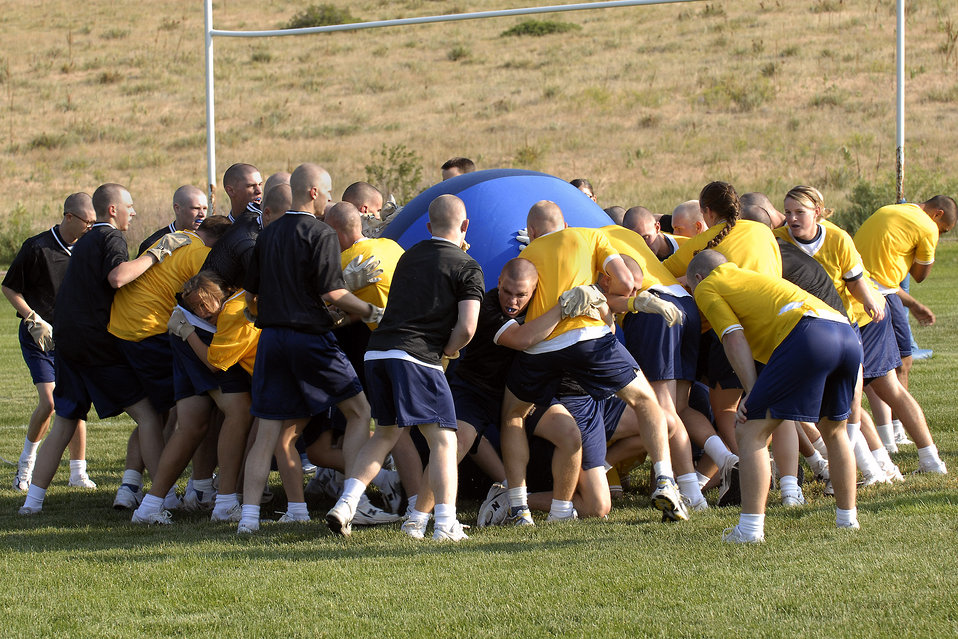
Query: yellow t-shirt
[[835, 250], [656, 276], [749, 244], [766, 308], [142, 308], [388, 254], [566, 259], [236, 338], [894, 238]]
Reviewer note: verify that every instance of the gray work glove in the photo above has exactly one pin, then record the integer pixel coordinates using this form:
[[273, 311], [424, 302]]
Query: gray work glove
[[167, 244], [180, 326], [645, 302], [359, 274], [40, 330], [582, 300]]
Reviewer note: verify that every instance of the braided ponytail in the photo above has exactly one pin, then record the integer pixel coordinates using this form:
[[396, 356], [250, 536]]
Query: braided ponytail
[[722, 200]]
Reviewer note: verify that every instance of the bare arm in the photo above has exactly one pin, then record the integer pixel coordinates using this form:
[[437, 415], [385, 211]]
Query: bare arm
[[919, 272], [343, 299], [522, 336], [622, 281], [465, 327], [864, 294], [922, 313], [17, 301], [123, 274], [739, 355]]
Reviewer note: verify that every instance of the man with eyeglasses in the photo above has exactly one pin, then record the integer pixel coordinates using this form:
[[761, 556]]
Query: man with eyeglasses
[[31, 285]]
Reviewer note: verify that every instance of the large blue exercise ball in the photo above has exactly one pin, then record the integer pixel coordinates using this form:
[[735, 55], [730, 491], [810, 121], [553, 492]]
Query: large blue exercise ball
[[497, 202]]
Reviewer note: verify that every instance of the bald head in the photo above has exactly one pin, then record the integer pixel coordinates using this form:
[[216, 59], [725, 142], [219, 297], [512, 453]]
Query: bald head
[[760, 199], [617, 213], [687, 219], [638, 217], [311, 187], [544, 217], [942, 210], [280, 177], [345, 219], [519, 269], [79, 205], [447, 215], [278, 200], [189, 207], [701, 265], [105, 196], [243, 184], [756, 213], [365, 197]]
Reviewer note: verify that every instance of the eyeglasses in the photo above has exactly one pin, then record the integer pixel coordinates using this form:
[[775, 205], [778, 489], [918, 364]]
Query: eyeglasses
[[89, 223]]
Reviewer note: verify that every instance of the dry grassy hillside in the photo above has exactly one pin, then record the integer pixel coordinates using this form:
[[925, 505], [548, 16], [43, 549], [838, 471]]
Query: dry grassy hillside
[[648, 102]]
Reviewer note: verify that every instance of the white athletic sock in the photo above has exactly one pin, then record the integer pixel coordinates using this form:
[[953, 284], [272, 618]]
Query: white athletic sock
[[717, 450], [77, 468], [29, 453], [819, 445], [150, 504], [881, 455], [250, 516], [661, 468], [132, 478], [702, 479], [863, 456], [846, 517], [35, 496], [560, 509], [886, 433], [788, 484], [418, 517], [445, 515], [689, 487], [926, 456], [751, 525], [203, 485], [518, 497], [296, 508], [353, 489], [899, 429], [223, 503], [814, 458]]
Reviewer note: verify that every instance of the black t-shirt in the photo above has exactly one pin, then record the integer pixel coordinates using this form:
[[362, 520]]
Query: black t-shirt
[[229, 258], [38, 269], [804, 271], [484, 364], [85, 297], [293, 264], [157, 234], [430, 280]]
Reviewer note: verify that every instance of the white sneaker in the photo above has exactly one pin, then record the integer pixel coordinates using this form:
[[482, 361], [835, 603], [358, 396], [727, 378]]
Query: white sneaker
[[730, 488], [172, 501], [415, 529], [892, 471], [901, 438], [852, 525], [391, 490], [552, 519], [735, 535], [340, 519], [128, 497], [234, 513], [368, 515], [308, 467], [198, 500], [937, 467], [871, 480], [82, 481], [455, 532], [163, 517], [21, 481], [666, 497], [247, 529], [792, 500], [289, 519], [820, 470], [495, 508], [29, 510], [697, 506], [891, 447]]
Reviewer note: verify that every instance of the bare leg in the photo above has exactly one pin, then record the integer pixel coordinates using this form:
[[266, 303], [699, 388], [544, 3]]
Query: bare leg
[[515, 446], [444, 471], [652, 421], [51, 451], [841, 462], [724, 404], [288, 462], [890, 390], [193, 421], [150, 426], [754, 469], [232, 439], [78, 442], [356, 410]]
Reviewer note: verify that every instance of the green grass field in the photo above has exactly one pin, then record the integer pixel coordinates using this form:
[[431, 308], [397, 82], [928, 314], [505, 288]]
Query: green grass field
[[81, 569]]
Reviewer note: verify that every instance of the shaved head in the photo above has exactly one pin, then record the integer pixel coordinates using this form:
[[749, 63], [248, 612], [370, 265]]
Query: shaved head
[[105, 196], [280, 177], [756, 213], [278, 200], [79, 205], [311, 186], [344, 216], [638, 217], [446, 214], [365, 197], [519, 269], [760, 199], [702, 264], [544, 217], [687, 219]]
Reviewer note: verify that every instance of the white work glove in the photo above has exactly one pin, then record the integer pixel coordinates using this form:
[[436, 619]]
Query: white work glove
[[645, 302], [582, 300], [390, 208], [359, 274], [40, 330], [167, 244], [522, 236], [375, 314], [180, 326]]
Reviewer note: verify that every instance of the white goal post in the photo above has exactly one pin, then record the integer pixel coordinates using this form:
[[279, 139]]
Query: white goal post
[[455, 17]]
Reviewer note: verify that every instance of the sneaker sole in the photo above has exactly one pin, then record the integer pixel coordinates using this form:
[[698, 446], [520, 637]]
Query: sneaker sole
[[670, 512], [337, 527], [733, 494]]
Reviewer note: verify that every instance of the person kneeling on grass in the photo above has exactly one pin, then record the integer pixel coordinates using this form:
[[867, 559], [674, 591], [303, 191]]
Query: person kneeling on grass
[[812, 358]]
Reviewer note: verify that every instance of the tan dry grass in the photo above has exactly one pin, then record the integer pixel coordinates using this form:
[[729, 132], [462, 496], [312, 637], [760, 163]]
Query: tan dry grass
[[649, 103]]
